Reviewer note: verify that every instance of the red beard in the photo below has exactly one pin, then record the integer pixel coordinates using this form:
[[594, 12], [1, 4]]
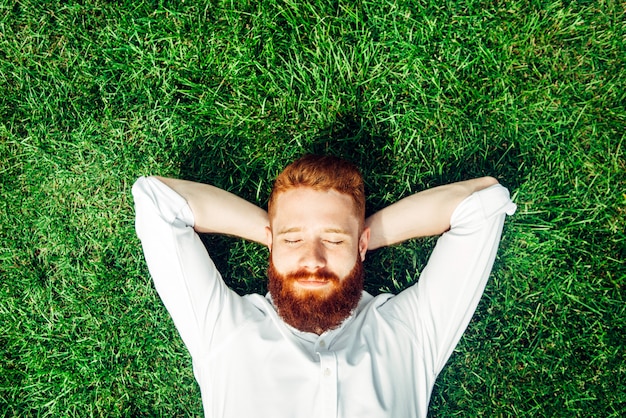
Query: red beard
[[312, 311]]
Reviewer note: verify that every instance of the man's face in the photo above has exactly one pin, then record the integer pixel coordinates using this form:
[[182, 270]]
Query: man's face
[[316, 252]]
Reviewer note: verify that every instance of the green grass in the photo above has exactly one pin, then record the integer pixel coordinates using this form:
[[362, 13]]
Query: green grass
[[417, 93]]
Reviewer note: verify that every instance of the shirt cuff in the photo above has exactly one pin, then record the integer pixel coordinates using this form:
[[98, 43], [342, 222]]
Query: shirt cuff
[[169, 205], [484, 204]]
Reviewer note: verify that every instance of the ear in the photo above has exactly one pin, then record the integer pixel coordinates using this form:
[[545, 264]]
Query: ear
[[268, 238], [363, 242]]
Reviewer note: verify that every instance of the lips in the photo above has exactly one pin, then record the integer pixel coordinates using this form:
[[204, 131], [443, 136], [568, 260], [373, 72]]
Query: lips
[[322, 275], [312, 283]]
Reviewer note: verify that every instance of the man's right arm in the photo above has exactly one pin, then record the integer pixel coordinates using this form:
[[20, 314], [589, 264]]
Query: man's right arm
[[203, 308], [220, 212]]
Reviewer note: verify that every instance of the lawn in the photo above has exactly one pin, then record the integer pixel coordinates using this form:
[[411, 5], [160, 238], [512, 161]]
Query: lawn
[[95, 93]]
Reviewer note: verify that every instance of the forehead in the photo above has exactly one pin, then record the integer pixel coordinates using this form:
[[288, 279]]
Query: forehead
[[304, 207]]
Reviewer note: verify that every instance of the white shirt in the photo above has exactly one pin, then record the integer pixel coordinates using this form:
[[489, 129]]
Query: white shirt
[[383, 360]]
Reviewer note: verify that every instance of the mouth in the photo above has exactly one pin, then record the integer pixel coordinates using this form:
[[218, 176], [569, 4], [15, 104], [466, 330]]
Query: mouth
[[312, 283]]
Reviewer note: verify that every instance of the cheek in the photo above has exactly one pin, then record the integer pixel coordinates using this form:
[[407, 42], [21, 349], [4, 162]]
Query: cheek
[[284, 261], [342, 264]]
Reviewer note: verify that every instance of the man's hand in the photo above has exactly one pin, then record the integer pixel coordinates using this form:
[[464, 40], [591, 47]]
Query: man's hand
[[220, 212], [423, 214]]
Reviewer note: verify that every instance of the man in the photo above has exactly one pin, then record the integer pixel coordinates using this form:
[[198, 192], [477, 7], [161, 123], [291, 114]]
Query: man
[[318, 345]]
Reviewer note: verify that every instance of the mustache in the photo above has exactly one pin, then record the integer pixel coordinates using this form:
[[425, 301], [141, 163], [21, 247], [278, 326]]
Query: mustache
[[321, 275]]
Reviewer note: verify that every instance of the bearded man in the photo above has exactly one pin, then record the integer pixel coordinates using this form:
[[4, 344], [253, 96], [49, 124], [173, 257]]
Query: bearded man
[[317, 345]]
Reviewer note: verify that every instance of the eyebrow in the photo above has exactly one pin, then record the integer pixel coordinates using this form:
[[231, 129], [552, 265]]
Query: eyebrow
[[336, 231], [326, 230], [289, 230]]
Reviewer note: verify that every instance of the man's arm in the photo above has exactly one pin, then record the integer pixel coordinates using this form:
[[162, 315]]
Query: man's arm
[[203, 308], [440, 305], [423, 214], [218, 211]]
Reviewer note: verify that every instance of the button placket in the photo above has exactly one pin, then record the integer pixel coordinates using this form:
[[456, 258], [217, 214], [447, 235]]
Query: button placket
[[328, 383]]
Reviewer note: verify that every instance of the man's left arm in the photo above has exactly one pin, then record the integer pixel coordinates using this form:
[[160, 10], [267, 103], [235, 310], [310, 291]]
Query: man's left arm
[[423, 214], [439, 307]]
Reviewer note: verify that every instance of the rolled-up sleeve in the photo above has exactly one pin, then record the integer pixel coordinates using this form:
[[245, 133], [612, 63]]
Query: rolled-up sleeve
[[440, 306], [191, 288]]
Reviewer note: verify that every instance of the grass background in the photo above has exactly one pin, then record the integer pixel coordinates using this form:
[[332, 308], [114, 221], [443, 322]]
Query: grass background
[[418, 93]]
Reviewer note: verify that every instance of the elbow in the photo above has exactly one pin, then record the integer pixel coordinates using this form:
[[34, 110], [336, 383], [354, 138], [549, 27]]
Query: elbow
[[484, 182], [490, 181]]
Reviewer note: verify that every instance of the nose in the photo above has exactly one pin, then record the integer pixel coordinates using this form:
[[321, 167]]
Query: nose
[[313, 257]]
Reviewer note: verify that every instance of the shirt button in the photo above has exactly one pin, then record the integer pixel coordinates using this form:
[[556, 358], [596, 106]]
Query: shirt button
[[327, 372], [322, 343]]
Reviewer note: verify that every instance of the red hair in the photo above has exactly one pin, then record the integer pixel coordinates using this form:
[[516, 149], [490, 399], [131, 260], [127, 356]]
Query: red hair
[[322, 173]]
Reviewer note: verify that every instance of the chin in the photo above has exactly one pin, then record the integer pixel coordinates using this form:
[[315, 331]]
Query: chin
[[316, 310]]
